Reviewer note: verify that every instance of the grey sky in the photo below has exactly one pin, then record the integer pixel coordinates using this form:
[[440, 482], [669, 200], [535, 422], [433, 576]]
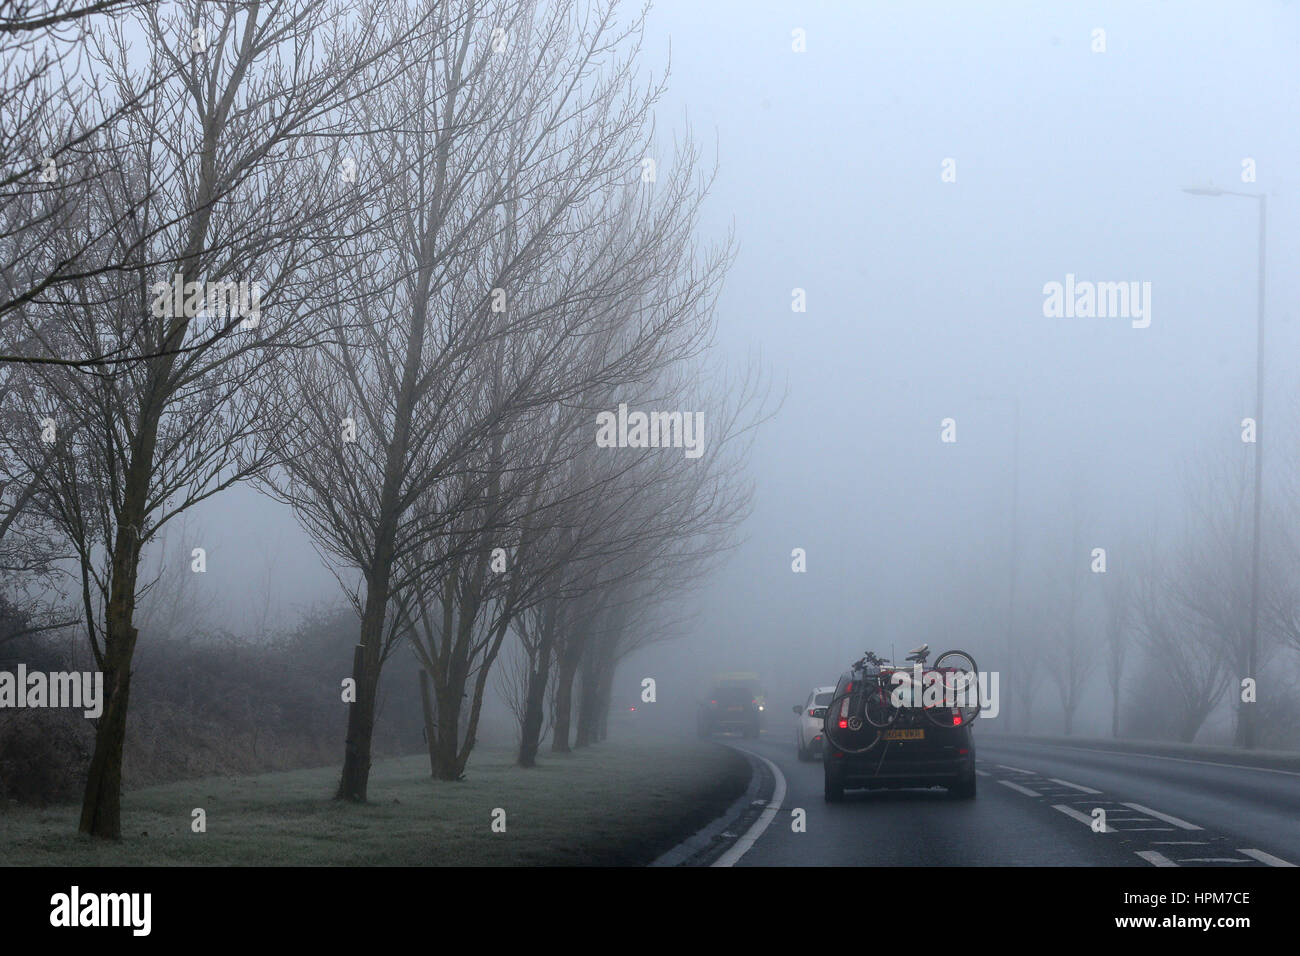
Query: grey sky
[[923, 296]]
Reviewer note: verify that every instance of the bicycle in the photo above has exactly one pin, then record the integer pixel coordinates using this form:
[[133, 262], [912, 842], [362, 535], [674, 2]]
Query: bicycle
[[868, 700]]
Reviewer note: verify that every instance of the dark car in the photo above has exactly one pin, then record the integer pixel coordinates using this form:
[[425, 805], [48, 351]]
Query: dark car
[[734, 704], [913, 752]]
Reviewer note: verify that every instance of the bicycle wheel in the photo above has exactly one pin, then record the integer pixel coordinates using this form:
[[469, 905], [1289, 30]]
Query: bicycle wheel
[[960, 684], [845, 727], [878, 710]]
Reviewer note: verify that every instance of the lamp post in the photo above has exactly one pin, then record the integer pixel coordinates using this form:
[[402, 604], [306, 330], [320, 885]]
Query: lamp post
[[1245, 736]]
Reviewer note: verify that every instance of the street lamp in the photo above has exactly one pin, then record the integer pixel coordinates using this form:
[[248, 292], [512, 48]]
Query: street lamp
[[1246, 718]]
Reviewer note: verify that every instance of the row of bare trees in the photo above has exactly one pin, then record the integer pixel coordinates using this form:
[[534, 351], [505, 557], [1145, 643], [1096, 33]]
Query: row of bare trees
[[1168, 622], [467, 243]]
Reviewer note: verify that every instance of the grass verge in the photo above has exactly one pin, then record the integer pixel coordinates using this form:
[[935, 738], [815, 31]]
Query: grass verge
[[619, 803]]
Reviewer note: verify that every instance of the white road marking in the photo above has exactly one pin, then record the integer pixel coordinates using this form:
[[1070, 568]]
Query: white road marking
[[1207, 763], [1081, 817], [1156, 859], [1017, 769], [1019, 789], [1212, 859], [983, 773], [1183, 824], [1268, 858], [1144, 829], [741, 846], [1180, 843], [1079, 787]]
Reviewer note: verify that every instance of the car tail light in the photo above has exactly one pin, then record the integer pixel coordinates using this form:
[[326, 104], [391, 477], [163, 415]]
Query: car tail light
[[844, 714], [956, 718], [714, 703], [812, 712], [963, 751]]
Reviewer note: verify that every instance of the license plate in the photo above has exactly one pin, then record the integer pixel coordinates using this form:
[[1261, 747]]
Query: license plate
[[904, 735]]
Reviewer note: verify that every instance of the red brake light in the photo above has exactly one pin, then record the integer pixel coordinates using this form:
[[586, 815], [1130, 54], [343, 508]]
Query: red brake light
[[812, 712], [956, 718], [714, 702]]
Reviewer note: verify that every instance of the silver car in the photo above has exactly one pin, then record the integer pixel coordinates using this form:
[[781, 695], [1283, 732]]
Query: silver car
[[808, 732]]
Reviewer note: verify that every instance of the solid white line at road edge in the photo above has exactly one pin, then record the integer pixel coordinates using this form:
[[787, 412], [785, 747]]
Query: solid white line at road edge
[[742, 845]]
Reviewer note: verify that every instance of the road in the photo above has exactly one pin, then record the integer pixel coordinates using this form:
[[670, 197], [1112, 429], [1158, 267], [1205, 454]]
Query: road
[[1035, 808]]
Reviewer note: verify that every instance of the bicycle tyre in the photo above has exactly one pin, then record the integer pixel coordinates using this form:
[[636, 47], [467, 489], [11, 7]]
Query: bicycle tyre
[[960, 660], [831, 721]]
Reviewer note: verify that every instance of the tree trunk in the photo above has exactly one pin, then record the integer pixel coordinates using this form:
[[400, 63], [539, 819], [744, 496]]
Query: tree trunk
[[430, 726], [534, 710], [564, 703], [1114, 712], [101, 806], [355, 778], [588, 691], [604, 700]]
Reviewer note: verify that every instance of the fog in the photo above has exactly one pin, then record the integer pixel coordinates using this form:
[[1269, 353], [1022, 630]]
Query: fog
[[925, 302]]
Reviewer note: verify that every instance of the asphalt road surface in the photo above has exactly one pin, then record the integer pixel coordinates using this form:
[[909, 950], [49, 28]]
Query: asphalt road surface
[[1035, 808]]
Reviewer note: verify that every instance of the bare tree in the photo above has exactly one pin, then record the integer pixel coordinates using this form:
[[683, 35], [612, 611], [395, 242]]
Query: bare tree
[[515, 236], [215, 179]]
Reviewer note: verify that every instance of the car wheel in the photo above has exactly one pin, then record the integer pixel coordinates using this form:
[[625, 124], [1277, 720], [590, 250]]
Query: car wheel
[[833, 789], [965, 788]]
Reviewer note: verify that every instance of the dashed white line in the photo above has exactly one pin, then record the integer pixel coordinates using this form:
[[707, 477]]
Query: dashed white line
[[1081, 817], [983, 773], [1156, 859], [1019, 789], [742, 845], [1212, 859], [1268, 858], [1076, 786], [1182, 824], [1017, 769]]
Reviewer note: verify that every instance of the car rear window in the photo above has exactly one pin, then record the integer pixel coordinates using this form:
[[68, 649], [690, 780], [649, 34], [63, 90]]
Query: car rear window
[[821, 700]]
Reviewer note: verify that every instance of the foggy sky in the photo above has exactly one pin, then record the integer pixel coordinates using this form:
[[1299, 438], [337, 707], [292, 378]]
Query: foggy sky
[[923, 296]]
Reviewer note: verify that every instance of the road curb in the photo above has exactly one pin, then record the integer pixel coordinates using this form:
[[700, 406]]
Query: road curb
[[704, 846]]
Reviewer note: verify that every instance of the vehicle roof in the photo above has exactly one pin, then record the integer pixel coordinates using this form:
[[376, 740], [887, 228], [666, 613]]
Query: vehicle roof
[[824, 690]]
